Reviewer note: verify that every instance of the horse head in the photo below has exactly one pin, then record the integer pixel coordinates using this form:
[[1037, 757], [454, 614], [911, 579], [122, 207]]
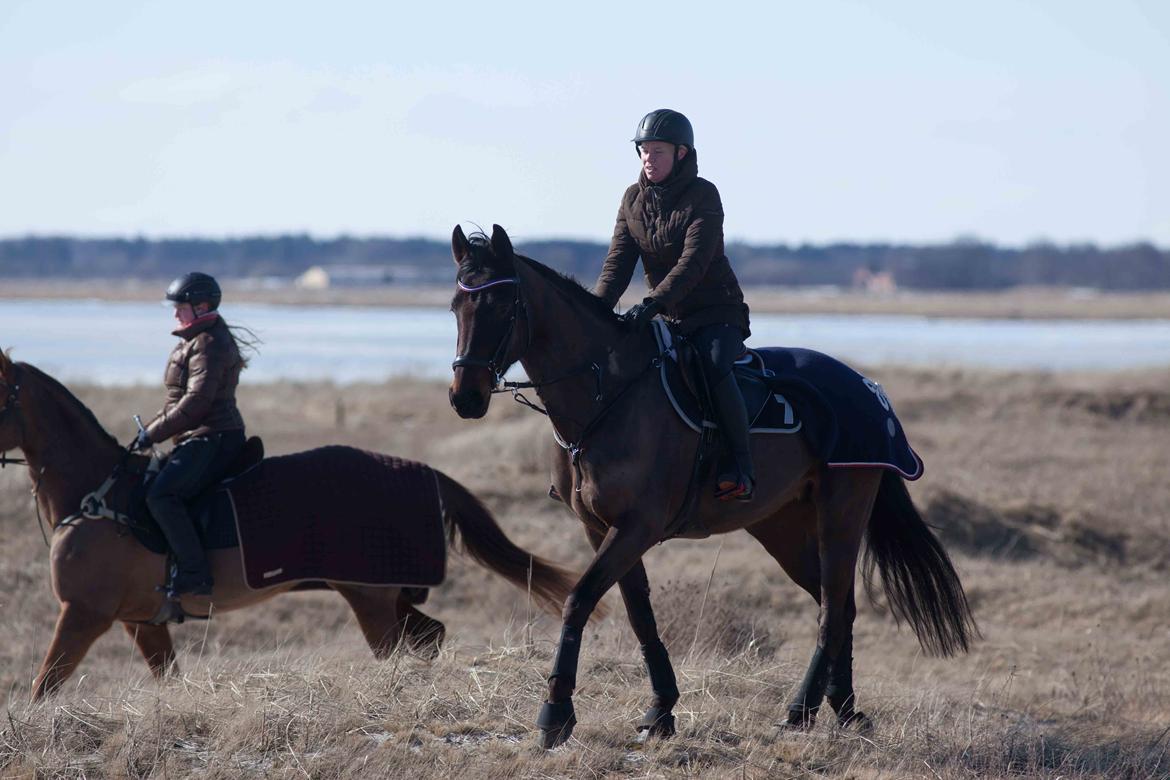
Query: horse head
[[489, 311]]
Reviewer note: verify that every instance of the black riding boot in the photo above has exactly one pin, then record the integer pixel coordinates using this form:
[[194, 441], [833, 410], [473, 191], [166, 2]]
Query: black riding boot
[[194, 575], [739, 482]]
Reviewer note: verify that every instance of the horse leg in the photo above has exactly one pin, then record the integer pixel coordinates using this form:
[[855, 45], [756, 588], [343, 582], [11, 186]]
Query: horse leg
[[844, 501], [423, 633], [619, 550], [635, 588], [790, 537], [376, 610], [77, 628], [154, 642]]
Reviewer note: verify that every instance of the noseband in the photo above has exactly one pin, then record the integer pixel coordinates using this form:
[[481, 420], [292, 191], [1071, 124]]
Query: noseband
[[495, 363]]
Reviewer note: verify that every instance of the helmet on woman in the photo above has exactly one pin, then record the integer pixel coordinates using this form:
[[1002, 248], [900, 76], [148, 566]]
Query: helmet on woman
[[195, 288], [663, 124]]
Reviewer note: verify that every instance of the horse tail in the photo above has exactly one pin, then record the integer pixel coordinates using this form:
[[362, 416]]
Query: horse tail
[[486, 543], [919, 580]]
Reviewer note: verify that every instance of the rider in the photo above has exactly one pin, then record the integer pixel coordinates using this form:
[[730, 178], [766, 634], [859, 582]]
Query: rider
[[200, 415], [673, 220]]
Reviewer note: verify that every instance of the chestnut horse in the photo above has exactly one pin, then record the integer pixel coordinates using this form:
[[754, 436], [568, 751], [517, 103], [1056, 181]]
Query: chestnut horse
[[624, 468], [100, 574]]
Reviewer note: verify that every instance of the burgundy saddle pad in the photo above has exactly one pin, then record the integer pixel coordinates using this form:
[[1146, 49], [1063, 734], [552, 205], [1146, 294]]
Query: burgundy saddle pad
[[340, 514]]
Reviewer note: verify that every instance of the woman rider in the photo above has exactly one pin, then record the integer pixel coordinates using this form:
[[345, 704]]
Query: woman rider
[[200, 415], [673, 220]]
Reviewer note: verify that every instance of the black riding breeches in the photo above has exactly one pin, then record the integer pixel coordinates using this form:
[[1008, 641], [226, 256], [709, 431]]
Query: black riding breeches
[[193, 466], [718, 346]]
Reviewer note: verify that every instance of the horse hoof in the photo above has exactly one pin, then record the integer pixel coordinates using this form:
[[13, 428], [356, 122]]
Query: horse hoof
[[657, 722], [856, 720], [800, 718], [556, 722]]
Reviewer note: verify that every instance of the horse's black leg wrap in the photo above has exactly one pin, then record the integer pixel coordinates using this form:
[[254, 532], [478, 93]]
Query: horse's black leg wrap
[[803, 709], [840, 689], [565, 664], [557, 719], [658, 720]]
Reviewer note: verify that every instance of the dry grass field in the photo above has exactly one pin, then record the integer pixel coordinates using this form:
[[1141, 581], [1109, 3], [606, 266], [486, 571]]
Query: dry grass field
[[1050, 491]]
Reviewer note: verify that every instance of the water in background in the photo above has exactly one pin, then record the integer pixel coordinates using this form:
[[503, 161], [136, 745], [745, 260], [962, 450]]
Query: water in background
[[121, 343]]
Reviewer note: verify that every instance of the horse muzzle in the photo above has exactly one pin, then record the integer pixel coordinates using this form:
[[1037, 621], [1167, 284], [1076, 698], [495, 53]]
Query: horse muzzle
[[468, 401]]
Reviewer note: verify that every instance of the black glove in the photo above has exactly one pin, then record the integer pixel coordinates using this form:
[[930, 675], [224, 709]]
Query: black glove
[[143, 441], [640, 314]]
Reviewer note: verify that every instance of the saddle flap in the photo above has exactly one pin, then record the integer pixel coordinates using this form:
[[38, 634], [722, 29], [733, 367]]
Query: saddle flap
[[767, 410]]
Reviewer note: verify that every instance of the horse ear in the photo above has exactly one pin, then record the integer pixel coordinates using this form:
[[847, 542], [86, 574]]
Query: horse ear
[[5, 363], [501, 244], [460, 246]]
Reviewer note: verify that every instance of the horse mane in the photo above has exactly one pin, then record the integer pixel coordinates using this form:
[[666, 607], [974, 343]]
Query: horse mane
[[475, 260], [73, 401], [574, 289]]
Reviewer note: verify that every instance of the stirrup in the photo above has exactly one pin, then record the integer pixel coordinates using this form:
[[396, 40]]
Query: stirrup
[[195, 587], [743, 490]]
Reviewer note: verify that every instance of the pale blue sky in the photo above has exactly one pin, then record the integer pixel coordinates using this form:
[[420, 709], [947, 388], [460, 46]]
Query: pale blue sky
[[819, 121]]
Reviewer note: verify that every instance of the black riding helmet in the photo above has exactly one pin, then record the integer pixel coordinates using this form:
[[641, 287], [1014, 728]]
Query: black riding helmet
[[663, 124], [195, 288]]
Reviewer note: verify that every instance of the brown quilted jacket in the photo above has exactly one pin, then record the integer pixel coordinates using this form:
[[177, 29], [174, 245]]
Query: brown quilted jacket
[[201, 378], [677, 230]]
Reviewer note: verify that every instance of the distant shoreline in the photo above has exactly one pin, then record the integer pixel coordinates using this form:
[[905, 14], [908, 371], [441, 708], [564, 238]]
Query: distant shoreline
[[1015, 303]]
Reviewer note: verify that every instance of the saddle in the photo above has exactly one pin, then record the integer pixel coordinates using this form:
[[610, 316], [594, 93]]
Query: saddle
[[683, 381], [124, 500]]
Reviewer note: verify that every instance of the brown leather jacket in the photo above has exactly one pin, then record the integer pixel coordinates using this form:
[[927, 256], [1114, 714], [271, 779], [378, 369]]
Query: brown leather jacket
[[201, 378], [677, 229]]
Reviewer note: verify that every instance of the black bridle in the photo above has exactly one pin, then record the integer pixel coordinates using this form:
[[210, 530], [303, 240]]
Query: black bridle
[[495, 363]]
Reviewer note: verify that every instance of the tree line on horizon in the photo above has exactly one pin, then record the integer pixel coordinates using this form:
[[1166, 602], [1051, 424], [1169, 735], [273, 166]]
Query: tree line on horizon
[[964, 264]]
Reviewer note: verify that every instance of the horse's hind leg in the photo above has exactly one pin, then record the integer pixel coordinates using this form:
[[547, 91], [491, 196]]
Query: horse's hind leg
[[77, 628], [844, 501], [423, 633], [154, 642], [376, 610]]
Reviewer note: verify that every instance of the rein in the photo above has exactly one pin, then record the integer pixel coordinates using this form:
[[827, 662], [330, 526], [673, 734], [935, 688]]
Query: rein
[[575, 448], [500, 385], [93, 506]]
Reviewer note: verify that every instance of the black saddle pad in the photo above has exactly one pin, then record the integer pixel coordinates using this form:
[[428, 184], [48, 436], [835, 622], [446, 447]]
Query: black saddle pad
[[846, 417]]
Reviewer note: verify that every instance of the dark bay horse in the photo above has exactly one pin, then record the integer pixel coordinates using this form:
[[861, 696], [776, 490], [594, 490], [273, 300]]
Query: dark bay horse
[[101, 574], [624, 467]]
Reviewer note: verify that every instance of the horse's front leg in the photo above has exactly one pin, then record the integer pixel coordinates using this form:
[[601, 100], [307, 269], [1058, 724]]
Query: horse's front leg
[[619, 550], [78, 626], [635, 587]]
